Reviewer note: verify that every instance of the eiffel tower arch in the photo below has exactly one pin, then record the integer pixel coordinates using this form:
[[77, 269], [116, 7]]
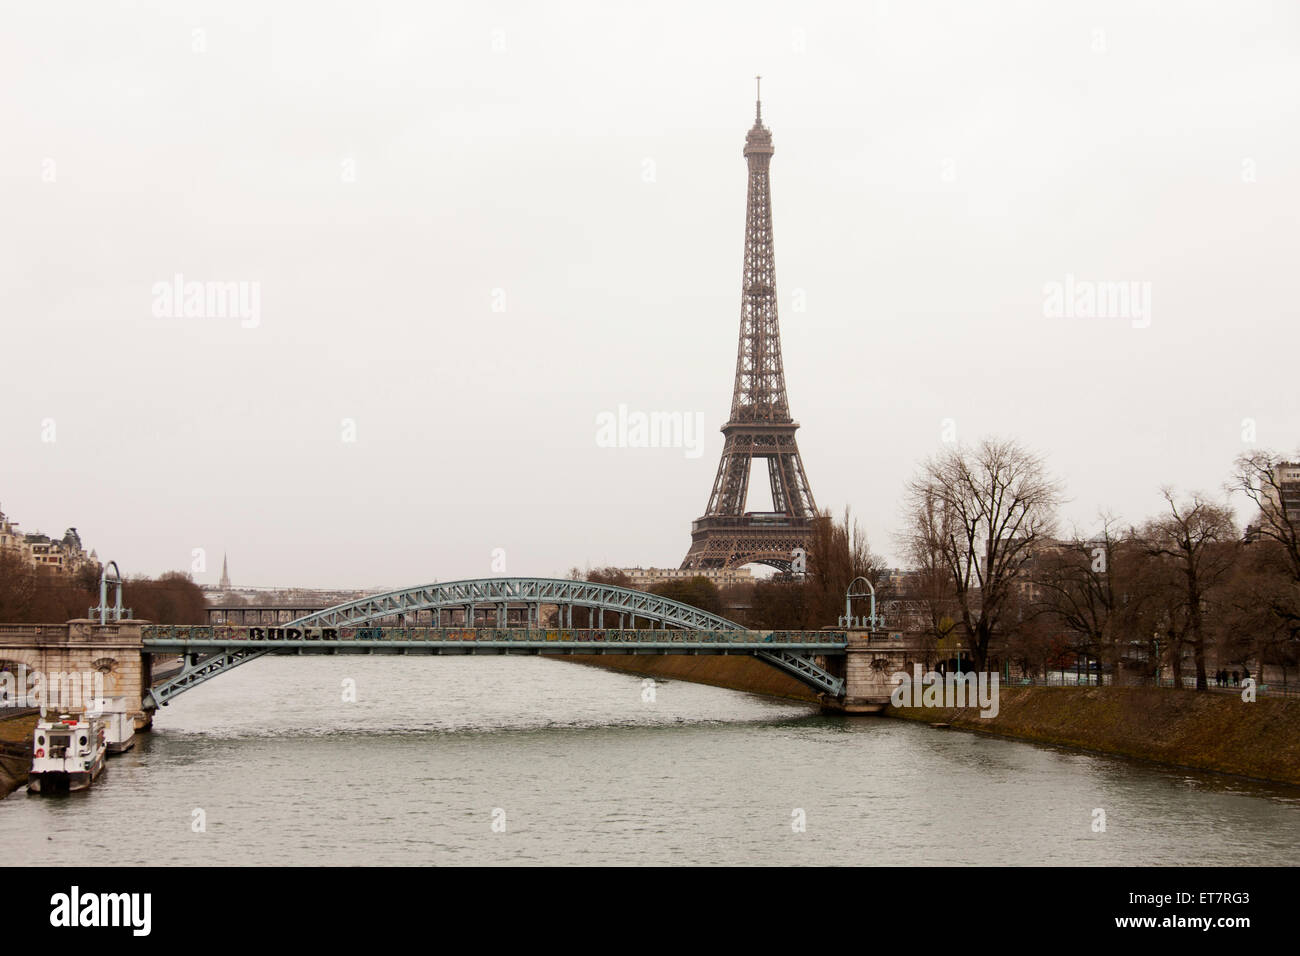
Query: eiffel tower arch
[[760, 425]]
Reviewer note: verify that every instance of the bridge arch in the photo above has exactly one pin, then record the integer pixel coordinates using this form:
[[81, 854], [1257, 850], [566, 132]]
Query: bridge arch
[[504, 593]]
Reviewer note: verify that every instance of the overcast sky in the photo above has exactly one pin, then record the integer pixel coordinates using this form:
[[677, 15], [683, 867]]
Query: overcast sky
[[473, 228]]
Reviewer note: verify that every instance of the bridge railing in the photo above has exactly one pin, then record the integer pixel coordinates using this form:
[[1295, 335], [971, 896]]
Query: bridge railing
[[272, 633], [33, 630]]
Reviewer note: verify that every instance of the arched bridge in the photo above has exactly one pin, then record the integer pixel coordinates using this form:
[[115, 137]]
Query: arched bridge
[[494, 616]]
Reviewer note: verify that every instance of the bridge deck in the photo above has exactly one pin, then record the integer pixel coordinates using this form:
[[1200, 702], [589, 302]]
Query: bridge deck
[[367, 640], [176, 639], [210, 651]]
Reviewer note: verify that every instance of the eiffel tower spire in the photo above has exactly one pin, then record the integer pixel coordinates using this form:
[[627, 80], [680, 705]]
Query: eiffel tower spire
[[760, 425]]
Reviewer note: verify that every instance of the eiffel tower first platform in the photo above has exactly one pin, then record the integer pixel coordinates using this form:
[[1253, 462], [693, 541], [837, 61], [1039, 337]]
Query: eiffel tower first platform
[[760, 426]]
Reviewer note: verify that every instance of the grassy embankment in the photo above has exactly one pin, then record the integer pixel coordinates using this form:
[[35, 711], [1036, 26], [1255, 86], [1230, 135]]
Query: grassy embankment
[[1183, 728]]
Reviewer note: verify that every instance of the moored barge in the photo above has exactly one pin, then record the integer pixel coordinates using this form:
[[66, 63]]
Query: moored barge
[[67, 754]]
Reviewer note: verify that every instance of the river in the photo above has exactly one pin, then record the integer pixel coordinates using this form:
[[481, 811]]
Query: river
[[488, 760]]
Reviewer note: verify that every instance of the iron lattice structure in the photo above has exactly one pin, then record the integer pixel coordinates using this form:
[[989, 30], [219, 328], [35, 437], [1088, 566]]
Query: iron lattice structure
[[760, 425], [390, 623]]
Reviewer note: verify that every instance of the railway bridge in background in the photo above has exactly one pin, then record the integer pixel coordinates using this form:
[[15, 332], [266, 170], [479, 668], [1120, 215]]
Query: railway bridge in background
[[849, 669]]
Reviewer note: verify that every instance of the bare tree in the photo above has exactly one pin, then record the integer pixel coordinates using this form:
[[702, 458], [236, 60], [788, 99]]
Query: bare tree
[[17, 587], [607, 575], [930, 599], [1078, 586], [1198, 537], [1261, 608], [1258, 476], [838, 554], [1150, 613], [983, 513]]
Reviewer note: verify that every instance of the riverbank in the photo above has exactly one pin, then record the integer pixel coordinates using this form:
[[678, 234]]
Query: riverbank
[[15, 751], [1180, 728]]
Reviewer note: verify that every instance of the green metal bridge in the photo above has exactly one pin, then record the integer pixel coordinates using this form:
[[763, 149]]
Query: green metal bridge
[[410, 621]]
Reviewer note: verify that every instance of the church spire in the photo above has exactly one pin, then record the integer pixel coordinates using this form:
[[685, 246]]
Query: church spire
[[225, 574]]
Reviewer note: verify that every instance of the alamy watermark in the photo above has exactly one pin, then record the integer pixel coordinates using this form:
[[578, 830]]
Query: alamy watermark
[[179, 299], [126, 910], [1087, 299], [81, 691], [966, 689], [626, 428]]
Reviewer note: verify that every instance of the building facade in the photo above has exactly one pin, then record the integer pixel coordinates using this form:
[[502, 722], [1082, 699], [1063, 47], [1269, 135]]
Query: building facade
[[64, 555], [642, 578], [1284, 492]]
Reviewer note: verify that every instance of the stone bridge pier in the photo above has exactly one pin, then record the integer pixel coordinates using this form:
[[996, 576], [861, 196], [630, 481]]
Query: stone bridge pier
[[76, 652], [871, 658]]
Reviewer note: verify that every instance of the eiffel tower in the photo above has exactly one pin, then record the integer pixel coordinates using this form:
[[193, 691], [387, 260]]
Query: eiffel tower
[[727, 536]]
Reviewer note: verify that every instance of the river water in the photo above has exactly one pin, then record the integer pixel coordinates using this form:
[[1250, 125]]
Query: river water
[[535, 761]]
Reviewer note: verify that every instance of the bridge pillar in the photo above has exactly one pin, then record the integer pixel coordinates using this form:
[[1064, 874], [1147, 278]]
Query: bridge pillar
[[871, 658], [85, 653]]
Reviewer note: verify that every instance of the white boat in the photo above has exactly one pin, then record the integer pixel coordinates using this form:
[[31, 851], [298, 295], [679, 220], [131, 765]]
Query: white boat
[[119, 726], [67, 753]]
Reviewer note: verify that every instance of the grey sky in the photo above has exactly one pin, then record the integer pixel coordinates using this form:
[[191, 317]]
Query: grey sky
[[936, 165]]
